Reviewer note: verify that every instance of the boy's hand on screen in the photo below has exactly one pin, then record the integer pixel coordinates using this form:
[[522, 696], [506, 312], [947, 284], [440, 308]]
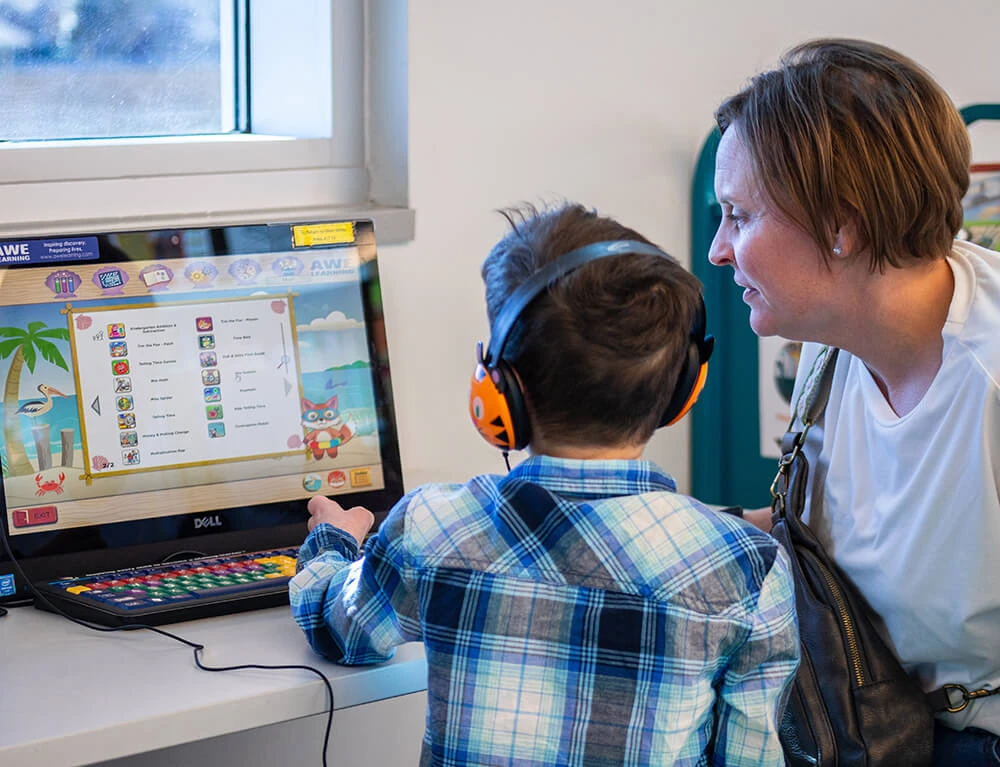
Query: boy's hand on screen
[[355, 521]]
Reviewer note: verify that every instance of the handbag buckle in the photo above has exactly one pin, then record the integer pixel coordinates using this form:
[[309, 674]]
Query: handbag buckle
[[785, 461], [967, 696]]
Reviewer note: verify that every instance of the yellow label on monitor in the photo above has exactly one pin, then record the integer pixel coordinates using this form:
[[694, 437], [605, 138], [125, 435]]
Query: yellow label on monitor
[[307, 235]]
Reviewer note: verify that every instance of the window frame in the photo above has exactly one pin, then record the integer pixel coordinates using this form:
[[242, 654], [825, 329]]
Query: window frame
[[316, 85]]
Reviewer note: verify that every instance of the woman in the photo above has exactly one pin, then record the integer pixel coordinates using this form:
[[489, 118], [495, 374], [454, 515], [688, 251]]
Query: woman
[[841, 175]]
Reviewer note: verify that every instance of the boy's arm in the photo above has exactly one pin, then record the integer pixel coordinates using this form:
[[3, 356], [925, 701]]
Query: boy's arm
[[756, 684], [352, 610]]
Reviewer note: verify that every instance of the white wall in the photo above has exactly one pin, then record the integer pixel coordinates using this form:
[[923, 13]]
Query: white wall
[[602, 102]]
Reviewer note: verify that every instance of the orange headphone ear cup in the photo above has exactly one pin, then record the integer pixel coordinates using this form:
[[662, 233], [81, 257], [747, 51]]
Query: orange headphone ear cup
[[693, 375], [699, 383], [520, 424], [496, 405], [689, 385]]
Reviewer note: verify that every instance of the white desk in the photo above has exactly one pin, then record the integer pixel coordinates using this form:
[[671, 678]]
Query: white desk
[[71, 696]]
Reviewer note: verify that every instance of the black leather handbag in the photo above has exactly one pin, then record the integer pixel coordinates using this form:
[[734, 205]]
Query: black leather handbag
[[852, 704]]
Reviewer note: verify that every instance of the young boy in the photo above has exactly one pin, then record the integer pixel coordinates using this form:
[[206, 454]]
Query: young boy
[[577, 610]]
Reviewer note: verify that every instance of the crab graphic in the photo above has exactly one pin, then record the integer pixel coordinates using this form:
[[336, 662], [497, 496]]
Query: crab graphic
[[49, 485]]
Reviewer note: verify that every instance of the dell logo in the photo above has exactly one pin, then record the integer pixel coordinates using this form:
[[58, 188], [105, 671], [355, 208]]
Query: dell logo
[[211, 521]]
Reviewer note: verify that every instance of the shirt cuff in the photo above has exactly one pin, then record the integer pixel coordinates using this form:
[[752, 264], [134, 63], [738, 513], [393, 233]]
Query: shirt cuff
[[325, 537]]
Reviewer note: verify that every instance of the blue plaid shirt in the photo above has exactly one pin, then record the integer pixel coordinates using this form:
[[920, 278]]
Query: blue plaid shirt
[[573, 613]]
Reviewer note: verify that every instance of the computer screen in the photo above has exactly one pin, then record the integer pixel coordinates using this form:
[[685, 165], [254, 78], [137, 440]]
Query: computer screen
[[183, 392]]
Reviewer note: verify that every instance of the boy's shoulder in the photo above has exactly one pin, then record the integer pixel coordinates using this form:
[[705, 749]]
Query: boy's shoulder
[[743, 539], [672, 546], [723, 562], [432, 515]]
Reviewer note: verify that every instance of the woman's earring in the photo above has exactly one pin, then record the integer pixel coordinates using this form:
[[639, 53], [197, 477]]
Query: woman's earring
[[836, 250]]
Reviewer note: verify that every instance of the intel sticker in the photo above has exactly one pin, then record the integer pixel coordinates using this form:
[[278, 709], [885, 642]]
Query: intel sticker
[[7, 585], [49, 250]]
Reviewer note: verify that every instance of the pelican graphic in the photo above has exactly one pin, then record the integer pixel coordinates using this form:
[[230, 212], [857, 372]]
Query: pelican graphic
[[36, 407]]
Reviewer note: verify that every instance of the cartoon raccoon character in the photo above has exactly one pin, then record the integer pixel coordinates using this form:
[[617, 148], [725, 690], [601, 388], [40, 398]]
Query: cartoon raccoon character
[[325, 430]]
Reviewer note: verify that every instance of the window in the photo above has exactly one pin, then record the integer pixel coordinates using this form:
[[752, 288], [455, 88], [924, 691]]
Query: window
[[112, 68], [323, 76]]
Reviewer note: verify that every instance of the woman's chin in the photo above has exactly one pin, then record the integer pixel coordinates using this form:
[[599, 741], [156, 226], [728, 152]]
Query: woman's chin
[[762, 324]]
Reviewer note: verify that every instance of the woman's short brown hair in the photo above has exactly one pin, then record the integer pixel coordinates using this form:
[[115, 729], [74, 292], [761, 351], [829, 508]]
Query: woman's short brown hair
[[847, 128], [599, 353]]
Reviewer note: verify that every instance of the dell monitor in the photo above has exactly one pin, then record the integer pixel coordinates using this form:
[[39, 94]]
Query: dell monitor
[[184, 392]]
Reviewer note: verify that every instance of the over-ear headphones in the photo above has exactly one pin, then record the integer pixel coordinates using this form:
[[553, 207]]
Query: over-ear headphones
[[496, 402]]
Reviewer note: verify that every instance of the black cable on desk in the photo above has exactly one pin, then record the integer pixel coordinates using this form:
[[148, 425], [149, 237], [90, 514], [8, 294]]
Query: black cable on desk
[[196, 647]]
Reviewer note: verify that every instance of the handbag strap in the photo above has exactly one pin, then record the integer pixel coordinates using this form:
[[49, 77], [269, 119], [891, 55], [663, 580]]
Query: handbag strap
[[815, 391], [809, 406]]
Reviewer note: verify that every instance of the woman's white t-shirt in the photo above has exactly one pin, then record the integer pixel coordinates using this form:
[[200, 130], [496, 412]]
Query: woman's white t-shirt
[[910, 506]]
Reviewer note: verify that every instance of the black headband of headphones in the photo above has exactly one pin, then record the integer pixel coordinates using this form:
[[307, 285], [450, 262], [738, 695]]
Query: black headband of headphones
[[528, 290]]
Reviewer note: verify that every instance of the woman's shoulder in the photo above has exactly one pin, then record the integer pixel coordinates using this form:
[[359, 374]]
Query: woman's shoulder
[[974, 315], [977, 253], [977, 277]]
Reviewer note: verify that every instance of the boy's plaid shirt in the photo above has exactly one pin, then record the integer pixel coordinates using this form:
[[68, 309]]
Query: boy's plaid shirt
[[573, 613]]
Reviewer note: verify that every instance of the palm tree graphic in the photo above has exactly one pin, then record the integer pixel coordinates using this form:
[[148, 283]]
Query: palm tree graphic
[[26, 346]]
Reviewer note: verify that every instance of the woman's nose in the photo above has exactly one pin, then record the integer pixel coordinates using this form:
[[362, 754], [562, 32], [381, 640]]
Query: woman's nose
[[720, 253]]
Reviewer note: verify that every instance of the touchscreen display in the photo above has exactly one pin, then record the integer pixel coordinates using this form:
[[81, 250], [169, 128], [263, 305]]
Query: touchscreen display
[[151, 375]]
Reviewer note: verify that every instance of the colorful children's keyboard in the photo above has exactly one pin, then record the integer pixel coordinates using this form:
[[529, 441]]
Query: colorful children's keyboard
[[176, 591]]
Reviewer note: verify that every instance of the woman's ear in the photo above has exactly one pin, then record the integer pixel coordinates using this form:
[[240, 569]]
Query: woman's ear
[[847, 239]]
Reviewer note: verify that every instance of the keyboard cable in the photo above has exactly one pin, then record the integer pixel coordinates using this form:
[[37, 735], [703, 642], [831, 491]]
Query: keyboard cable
[[196, 648]]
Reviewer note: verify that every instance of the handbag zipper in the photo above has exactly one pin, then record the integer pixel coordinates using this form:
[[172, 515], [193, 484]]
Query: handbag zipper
[[846, 620], [779, 501]]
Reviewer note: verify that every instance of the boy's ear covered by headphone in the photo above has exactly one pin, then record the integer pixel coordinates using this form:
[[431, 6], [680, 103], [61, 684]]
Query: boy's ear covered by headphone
[[496, 399]]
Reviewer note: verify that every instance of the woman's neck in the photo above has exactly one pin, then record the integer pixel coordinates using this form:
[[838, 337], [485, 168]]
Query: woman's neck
[[898, 333]]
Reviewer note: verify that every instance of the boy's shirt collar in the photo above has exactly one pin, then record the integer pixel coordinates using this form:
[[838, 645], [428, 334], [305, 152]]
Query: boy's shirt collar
[[577, 478]]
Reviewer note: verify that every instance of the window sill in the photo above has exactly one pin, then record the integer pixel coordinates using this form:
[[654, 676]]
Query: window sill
[[393, 225], [105, 159], [117, 185]]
